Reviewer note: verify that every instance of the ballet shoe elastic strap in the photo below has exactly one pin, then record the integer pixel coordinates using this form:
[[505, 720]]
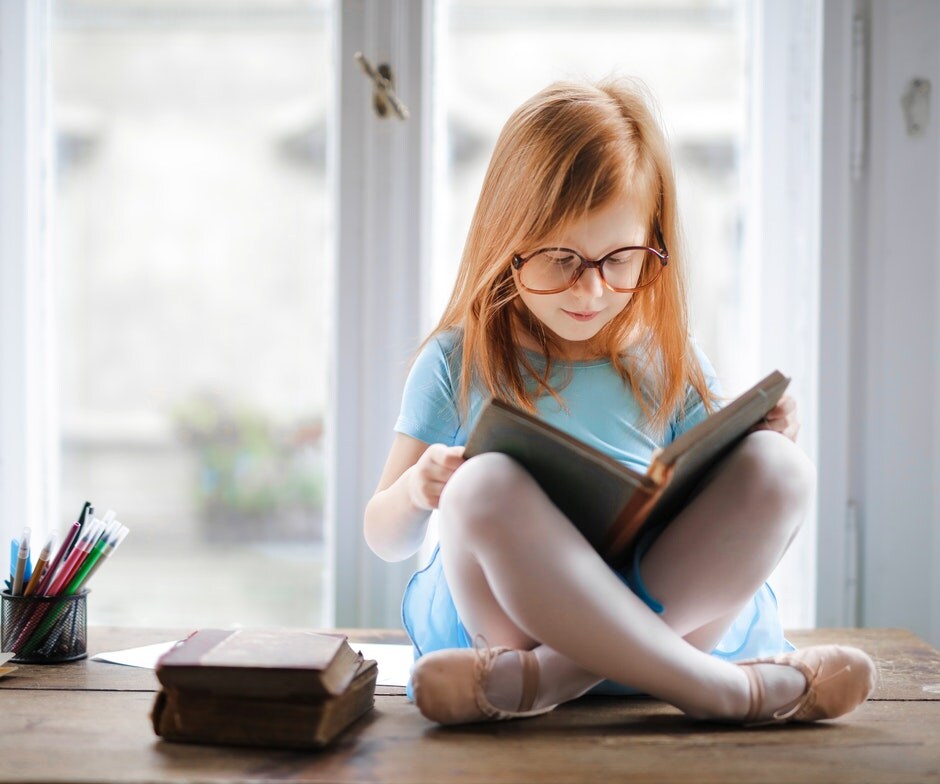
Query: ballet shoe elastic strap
[[756, 694], [530, 680]]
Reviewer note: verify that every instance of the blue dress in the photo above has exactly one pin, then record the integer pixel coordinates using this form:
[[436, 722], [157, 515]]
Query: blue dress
[[598, 409]]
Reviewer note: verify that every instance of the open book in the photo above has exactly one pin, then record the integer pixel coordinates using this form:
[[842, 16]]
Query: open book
[[609, 502]]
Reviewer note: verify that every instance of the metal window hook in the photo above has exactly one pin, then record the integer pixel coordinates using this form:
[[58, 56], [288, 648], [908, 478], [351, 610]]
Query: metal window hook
[[384, 98]]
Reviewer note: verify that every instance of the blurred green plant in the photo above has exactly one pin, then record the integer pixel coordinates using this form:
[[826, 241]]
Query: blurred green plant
[[257, 480]]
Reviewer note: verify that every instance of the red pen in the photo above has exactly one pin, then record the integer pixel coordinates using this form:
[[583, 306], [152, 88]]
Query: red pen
[[63, 549], [84, 518]]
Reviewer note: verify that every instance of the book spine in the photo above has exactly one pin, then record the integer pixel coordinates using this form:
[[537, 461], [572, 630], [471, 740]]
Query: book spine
[[624, 531]]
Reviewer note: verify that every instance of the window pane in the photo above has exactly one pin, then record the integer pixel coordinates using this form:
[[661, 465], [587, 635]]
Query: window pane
[[192, 233], [689, 52]]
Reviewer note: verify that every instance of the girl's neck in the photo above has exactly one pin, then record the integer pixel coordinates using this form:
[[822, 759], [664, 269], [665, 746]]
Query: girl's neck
[[568, 351]]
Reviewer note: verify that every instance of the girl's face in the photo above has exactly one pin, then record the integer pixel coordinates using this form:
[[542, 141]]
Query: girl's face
[[577, 314]]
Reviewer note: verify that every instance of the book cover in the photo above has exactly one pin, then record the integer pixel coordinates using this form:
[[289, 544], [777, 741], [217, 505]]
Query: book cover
[[183, 715], [272, 663], [609, 502]]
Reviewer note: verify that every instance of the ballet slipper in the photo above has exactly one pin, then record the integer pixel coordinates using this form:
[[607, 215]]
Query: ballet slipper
[[450, 685], [839, 678]]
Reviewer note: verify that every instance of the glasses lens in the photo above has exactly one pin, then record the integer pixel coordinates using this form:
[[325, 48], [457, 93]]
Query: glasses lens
[[549, 270], [631, 268]]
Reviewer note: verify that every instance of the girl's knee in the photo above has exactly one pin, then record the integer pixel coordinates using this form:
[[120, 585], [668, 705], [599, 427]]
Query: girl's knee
[[776, 468], [481, 491]]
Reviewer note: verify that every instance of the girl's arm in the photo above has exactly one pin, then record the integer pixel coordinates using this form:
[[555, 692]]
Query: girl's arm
[[415, 473]]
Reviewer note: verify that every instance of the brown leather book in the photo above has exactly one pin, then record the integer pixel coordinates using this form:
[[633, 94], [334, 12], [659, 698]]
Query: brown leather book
[[188, 716], [609, 502], [274, 664]]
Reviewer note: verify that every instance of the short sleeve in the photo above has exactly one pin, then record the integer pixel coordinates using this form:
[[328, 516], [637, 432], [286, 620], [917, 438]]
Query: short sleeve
[[429, 402], [695, 410]]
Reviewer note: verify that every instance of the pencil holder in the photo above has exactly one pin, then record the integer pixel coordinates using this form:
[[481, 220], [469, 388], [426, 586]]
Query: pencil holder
[[44, 629]]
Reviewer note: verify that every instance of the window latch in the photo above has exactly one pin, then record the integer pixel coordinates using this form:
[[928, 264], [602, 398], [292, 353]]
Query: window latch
[[384, 100]]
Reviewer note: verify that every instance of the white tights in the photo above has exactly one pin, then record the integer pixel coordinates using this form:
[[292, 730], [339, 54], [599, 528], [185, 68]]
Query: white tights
[[521, 575]]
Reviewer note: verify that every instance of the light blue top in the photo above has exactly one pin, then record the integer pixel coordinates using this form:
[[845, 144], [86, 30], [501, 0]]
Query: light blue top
[[599, 409]]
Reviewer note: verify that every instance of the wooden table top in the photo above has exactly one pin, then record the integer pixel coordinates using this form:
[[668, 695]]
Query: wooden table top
[[89, 721]]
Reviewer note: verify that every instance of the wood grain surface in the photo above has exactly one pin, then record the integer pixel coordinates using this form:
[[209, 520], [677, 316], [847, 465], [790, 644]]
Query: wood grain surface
[[89, 721]]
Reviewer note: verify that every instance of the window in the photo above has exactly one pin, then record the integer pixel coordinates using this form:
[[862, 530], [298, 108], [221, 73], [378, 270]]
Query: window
[[192, 236]]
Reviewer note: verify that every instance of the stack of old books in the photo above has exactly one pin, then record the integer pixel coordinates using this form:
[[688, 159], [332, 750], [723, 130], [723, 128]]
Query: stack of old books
[[283, 688]]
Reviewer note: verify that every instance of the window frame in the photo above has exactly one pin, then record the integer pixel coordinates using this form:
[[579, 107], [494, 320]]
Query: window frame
[[29, 465], [381, 174]]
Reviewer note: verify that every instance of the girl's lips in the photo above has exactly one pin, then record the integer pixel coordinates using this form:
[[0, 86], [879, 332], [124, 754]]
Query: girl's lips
[[586, 316]]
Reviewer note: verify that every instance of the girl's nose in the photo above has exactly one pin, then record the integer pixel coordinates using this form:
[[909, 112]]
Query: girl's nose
[[590, 283]]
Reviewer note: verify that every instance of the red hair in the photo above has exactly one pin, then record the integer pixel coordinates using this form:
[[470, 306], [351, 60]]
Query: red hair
[[570, 150]]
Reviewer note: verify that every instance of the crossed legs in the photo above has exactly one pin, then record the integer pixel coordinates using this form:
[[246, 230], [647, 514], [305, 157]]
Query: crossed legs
[[521, 575]]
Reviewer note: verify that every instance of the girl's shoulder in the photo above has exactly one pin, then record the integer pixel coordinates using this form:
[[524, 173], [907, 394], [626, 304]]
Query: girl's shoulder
[[447, 341], [442, 348], [438, 359]]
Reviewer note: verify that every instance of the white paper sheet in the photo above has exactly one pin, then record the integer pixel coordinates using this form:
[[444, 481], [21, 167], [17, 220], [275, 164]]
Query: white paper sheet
[[145, 656], [394, 660]]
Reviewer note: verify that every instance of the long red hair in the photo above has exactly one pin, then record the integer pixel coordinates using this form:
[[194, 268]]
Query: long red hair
[[569, 150]]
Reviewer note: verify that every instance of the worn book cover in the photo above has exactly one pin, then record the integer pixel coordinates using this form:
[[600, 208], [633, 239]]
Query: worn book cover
[[271, 663], [609, 502], [200, 717]]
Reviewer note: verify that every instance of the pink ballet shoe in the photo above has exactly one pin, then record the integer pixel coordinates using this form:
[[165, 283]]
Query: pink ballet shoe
[[839, 678], [449, 685]]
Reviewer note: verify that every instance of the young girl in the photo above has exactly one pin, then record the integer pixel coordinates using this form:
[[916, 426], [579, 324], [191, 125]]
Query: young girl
[[570, 302]]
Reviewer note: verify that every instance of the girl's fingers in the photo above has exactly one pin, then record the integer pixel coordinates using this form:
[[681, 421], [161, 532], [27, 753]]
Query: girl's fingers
[[783, 409], [788, 427], [782, 418], [453, 460], [440, 472], [448, 456]]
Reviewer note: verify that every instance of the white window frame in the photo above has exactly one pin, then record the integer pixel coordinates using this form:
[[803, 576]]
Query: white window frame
[[842, 118], [383, 215], [781, 243], [28, 429]]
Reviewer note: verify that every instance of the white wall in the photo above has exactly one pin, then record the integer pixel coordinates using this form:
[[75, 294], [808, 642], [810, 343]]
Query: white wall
[[896, 481], [880, 329]]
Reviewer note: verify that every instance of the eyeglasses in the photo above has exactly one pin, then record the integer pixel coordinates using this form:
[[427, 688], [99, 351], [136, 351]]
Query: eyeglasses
[[552, 270]]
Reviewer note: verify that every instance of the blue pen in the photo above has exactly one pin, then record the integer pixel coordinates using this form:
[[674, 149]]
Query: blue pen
[[22, 558]]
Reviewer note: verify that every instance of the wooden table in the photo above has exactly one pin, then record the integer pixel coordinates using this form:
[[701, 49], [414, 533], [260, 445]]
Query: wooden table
[[89, 721]]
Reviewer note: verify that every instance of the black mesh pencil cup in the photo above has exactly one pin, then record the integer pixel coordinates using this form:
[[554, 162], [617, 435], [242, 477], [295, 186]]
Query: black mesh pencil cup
[[45, 629]]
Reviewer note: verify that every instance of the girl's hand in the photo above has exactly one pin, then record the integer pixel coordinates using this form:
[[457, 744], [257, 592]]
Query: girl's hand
[[431, 473], [782, 418]]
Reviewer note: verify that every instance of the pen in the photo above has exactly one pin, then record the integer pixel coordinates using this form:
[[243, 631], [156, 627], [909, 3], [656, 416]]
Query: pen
[[87, 513], [40, 564], [66, 545], [22, 556]]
